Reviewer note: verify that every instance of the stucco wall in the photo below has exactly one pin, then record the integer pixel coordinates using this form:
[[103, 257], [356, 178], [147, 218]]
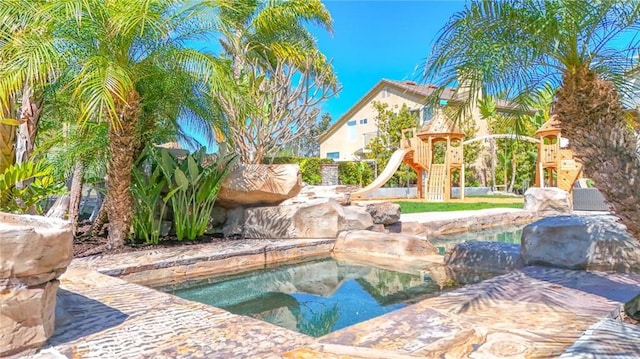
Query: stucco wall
[[348, 139]]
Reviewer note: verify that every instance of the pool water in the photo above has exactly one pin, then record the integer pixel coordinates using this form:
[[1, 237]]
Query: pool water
[[505, 234], [315, 297]]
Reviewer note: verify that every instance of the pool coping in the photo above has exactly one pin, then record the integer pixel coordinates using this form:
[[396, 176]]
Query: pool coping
[[111, 281]]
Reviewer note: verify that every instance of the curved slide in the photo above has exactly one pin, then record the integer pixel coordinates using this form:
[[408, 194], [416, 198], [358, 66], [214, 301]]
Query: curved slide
[[392, 166]]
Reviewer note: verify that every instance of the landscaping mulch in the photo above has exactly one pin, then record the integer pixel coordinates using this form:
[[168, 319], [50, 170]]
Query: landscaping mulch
[[84, 244]]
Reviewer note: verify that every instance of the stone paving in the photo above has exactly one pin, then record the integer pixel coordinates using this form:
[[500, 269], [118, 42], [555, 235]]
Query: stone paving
[[533, 312]]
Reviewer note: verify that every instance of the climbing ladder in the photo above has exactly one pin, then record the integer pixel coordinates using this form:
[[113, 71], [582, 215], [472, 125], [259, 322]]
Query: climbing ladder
[[436, 184]]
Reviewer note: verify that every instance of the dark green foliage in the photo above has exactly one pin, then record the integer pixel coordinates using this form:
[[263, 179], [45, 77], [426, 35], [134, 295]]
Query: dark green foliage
[[148, 185], [309, 166], [23, 187], [355, 173], [191, 187]]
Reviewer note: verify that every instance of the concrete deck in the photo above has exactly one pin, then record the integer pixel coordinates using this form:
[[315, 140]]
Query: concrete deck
[[533, 312]]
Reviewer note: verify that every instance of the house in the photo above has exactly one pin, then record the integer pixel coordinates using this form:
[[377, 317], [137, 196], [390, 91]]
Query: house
[[347, 138]]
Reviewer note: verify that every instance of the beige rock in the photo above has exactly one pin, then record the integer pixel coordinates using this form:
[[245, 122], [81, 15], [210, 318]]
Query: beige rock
[[406, 227], [321, 218], [254, 184], [234, 224], [26, 316], [33, 249], [392, 245], [548, 199], [492, 257], [216, 220], [340, 193], [384, 212], [581, 242]]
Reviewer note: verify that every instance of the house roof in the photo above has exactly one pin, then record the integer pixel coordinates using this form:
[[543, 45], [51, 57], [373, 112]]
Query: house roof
[[553, 125], [408, 87]]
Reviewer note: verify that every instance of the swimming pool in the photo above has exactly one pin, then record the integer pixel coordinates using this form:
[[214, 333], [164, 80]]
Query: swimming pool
[[505, 234], [314, 297]]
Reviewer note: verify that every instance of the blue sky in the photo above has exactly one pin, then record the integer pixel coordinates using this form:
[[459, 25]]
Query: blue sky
[[379, 39]]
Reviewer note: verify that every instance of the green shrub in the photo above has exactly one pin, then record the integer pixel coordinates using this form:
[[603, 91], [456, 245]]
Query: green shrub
[[355, 173], [195, 189], [23, 187], [148, 184], [310, 167]]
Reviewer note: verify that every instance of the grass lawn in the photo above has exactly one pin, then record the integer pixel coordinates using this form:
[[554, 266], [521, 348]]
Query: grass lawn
[[417, 207]]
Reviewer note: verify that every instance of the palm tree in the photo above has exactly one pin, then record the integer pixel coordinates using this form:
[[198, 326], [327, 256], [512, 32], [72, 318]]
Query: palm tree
[[109, 54], [269, 48], [583, 48]]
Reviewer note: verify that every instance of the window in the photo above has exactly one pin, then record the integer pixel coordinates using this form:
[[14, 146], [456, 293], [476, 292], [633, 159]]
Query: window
[[333, 155], [363, 121], [415, 114], [427, 114], [351, 123]]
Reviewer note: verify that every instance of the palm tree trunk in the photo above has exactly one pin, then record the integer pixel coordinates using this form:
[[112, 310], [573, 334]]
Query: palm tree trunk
[[76, 195], [122, 144], [29, 116], [7, 140], [593, 120], [7, 149], [513, 173], [101, 219]]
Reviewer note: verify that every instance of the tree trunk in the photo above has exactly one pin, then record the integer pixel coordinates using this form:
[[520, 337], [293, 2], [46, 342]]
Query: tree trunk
[[76, 195], [513, 173], [7, 149], [7, 139], [101, 218], [122, 144], [59, 208], [493, 164], [29, 117], [593, 120]]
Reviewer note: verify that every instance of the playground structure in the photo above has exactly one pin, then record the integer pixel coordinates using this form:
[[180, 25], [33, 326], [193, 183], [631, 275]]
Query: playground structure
[[555, 167]]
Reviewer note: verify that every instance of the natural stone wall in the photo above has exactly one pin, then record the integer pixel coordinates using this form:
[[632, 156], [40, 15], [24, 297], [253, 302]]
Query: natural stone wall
[[581, 242], [340, 193], [34, 251], [322, 218], [330, 174], [473, 222]]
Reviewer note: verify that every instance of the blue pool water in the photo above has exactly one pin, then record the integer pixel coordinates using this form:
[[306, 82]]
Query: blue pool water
[[505, 234], [315, 297]]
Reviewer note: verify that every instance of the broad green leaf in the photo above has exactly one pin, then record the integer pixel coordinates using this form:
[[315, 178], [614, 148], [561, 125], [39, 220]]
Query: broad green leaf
[[181, 179], [193, 169]]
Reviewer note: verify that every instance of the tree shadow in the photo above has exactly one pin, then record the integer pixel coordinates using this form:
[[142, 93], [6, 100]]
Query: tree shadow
[[78, 316]]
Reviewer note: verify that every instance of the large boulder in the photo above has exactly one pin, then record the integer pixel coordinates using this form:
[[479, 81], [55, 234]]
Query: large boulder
[[548, 199], [255, 185], [321, 218], [340, 193], [34, 251], [581, 242], [492, 257], [388, 245], [384, 212]]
